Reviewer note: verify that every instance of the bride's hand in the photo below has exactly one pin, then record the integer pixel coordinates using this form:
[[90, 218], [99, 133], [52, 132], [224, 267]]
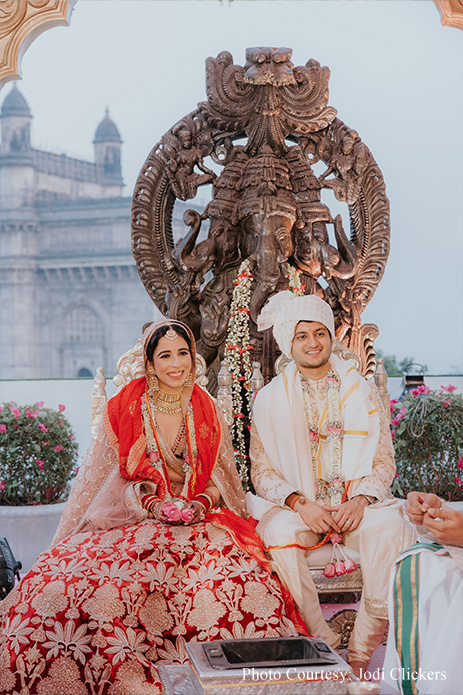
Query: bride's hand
[[168, 513], [193, 512]]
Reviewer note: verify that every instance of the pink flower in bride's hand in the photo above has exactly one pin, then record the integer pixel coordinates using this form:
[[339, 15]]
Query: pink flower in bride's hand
[[171, 511], [329, 571], [187, 515], [339, 568], [350, 565], [335, 538]]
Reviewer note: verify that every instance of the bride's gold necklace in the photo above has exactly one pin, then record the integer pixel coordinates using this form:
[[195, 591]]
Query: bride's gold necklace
[[169, 403]]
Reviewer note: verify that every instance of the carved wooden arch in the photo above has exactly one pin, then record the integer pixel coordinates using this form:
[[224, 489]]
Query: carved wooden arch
[[21, 21], [451, 12]]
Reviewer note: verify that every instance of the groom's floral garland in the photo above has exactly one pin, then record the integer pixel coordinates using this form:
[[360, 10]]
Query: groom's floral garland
[[238, 355], [331, 491]]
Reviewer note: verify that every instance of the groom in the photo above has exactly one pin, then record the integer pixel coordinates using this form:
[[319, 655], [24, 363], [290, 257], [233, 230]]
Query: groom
[[322, 458]]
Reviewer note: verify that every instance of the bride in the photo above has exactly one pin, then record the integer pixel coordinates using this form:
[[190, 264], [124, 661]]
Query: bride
[[152, 551]]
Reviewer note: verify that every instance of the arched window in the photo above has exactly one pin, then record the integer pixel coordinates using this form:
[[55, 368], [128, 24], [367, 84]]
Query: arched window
[[83, 325], [84, 372]]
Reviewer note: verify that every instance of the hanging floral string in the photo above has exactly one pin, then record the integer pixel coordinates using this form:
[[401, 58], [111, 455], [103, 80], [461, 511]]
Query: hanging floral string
[[238, 353], [239, 363], [295, 284]]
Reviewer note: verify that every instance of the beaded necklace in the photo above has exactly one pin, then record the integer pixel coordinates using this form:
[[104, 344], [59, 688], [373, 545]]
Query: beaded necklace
[[326, 491], [157, 454]]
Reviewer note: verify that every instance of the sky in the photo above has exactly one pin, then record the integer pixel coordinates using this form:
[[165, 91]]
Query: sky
[[396, 78]]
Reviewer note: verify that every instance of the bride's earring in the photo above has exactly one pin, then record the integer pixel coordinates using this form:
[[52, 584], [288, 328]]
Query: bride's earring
[[151, 377], [188, 381]]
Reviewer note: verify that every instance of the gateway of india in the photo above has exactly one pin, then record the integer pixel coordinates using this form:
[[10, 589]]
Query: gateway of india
[[66, 266]]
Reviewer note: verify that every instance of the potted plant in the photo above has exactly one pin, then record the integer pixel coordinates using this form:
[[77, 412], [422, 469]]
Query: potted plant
[[38, 454], [427, 430]]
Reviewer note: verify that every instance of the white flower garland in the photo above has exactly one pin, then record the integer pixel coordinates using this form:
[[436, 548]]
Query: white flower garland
[[238, 354], [239, 362], [294, 276]]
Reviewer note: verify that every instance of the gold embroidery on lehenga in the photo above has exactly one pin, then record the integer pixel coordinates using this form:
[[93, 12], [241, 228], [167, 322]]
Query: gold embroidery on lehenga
[[258, 601], [207, 610], [131, 679], [8, 678], [109, 538], [99, 640], [105, 604], [52, 600], [63, 677], [155, 614]]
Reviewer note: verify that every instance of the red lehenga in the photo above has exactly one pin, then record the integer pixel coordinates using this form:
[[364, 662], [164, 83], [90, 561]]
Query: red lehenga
[[119, 593]]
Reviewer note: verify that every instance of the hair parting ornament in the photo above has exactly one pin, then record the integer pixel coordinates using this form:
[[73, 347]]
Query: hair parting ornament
[[171, 334]]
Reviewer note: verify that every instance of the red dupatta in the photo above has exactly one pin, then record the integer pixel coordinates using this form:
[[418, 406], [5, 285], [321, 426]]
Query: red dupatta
[[128, 437]]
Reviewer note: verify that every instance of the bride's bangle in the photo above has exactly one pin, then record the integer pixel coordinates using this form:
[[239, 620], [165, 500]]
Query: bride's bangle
[[206, 500], [149, 501]]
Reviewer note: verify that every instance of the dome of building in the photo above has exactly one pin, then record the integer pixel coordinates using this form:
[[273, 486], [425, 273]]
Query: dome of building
[[15, 104], [107, 131]]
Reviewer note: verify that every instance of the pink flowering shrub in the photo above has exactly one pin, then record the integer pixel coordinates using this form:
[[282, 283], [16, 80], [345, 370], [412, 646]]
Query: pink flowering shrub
[[38, 454], [427, 431]]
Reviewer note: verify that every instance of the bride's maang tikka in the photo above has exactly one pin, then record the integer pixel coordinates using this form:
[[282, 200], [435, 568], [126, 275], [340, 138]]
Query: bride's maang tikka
[[171, 334]]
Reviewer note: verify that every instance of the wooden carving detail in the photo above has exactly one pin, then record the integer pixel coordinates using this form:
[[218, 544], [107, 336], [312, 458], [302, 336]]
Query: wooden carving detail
[[283, 155], [451, 12], [21, 21]]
